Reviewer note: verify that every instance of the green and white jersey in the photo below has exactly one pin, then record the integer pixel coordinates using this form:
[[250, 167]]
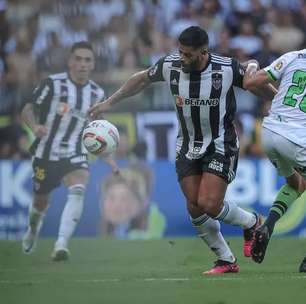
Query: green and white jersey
[[287, 116]]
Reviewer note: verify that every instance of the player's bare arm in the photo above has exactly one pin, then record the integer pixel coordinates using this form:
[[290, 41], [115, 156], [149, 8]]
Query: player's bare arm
[[29, 117], [258, 82], [136, 83]]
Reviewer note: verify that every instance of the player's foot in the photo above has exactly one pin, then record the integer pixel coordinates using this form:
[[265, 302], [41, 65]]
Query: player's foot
[[260, 244], [223, 267], [60, 253], [303, 266], [29, 240], [248, 235]]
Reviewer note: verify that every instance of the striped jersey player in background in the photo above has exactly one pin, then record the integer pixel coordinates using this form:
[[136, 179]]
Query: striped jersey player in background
[[57, 114], [283, 137], [202, 84]]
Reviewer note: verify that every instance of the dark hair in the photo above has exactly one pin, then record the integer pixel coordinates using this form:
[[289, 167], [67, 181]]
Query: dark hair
[[81, 45], [193, 36]]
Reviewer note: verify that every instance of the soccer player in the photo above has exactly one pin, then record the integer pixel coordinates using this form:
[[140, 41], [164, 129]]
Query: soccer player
[[283, 136], [57, 114], [207, 145]]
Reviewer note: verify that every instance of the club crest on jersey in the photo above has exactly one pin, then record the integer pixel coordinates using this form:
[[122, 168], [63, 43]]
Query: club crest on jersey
[[216, 80]]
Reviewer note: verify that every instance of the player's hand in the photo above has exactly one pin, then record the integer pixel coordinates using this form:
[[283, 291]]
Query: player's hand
[[252, 68], [40, 130], [96, 110]]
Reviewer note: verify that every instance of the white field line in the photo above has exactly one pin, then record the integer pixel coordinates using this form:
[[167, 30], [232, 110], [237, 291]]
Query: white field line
[[118, 280]]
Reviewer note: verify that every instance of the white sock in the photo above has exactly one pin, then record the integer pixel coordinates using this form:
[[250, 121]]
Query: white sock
[[234, 215], [209, 232], [71, 214], [35, 219]]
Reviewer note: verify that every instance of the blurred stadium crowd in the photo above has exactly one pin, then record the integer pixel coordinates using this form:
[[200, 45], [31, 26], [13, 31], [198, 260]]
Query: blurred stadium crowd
[[129, 35]]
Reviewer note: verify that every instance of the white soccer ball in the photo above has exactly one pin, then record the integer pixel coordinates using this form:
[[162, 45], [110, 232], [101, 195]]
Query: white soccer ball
[[100, 137]]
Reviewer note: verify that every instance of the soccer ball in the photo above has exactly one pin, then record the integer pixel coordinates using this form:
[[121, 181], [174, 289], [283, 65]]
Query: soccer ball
[[100, 137]]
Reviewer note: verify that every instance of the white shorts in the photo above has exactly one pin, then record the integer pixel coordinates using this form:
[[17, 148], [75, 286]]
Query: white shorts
[[285, 155]]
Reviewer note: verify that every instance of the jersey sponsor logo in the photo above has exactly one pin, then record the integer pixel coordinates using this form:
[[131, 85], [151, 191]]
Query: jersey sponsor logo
[[278, 65], [211, 102], [194, 153], [62, 108], [216, 165]]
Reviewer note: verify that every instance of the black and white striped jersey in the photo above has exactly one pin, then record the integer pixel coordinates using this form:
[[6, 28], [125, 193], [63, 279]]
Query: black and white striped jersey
[[62, 107], [205, 103]]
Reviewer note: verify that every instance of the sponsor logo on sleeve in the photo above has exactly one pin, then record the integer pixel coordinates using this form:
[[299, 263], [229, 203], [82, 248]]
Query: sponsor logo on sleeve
[[279, 65]]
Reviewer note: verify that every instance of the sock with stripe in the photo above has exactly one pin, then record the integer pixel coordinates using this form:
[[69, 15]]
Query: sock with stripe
[[284, 199], [234, 215], [71, 214], [209, 232]]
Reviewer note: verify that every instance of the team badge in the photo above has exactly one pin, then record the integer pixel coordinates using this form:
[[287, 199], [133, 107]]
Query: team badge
[[278, 65], [216, 80]]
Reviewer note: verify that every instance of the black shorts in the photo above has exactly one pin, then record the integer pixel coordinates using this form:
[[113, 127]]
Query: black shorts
[[215, 163], [47, 175]]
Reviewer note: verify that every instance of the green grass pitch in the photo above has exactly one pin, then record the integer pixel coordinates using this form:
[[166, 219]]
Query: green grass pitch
[[162, 271]]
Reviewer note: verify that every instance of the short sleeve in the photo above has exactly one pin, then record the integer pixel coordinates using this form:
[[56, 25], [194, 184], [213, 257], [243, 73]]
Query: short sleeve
[[41, 94], [155, 72], [238, 73], [276, 69]]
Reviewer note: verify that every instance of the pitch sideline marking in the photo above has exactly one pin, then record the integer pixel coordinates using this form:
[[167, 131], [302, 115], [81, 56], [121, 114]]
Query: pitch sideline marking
[[117, 280]]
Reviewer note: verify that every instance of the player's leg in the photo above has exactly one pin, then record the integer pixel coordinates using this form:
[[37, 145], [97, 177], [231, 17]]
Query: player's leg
[[43, 182], [208, 228], [37, 212], [211, 199], [302, 267], [281, 153], [75, 181]]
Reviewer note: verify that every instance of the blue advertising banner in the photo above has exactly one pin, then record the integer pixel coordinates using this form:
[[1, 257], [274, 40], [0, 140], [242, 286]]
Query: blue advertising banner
[[151, 206]]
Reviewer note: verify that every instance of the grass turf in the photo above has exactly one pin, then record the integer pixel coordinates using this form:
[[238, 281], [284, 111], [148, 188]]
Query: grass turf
[[162, 271]]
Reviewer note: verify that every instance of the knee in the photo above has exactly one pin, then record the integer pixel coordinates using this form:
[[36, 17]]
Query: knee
[[77, 189], [41, 203], [193, 209], [210, 205]]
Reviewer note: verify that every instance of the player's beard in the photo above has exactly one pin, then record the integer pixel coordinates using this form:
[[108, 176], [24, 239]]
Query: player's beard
[[191, 67]]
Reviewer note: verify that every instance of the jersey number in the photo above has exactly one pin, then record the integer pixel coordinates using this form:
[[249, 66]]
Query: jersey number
[[298, 87]]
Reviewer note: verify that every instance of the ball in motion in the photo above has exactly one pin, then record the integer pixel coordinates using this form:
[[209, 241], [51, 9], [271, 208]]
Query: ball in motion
[[100, 137]]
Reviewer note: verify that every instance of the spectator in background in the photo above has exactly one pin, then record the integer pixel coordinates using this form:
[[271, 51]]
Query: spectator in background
[[4, 35], [247, 40], [284, 34], [22, 72], [53, 58]]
